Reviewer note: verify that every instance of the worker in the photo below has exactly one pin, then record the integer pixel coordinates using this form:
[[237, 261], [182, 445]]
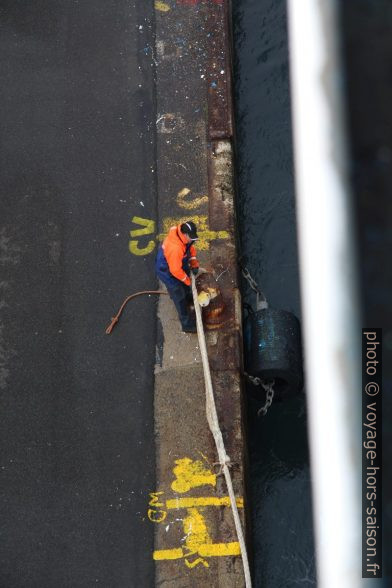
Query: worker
[[175, 260]]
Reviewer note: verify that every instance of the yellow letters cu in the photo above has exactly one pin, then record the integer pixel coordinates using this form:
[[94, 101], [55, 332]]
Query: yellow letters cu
[[148, 228]]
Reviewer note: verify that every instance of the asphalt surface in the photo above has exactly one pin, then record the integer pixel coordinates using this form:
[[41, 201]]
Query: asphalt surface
[[77, 161]]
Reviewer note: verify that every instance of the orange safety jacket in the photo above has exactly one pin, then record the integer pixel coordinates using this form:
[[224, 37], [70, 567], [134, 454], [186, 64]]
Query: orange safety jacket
[[175, 248]]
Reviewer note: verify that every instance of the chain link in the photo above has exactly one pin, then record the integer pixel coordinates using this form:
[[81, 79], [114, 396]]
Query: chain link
[[261, 301], [253, 379], [252, 283], [268, 387]]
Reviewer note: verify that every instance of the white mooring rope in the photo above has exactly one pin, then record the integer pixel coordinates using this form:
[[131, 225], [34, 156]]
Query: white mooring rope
[[212, 418]]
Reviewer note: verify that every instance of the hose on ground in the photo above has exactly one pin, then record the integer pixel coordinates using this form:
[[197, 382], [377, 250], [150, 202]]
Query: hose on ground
[[116, 318], [213, 422]]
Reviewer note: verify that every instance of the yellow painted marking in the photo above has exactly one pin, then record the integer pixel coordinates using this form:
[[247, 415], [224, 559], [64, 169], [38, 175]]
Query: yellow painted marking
[[198, 543], [193, 564], [197, 536], [190, 204], [155, 499], [191, 474], [156, 516], [196, 531], [136, 250], [148, 228], [161, 554], [201, 501], [201, 221], [220, 549], [147, 224], [162, 6], [209, 550]]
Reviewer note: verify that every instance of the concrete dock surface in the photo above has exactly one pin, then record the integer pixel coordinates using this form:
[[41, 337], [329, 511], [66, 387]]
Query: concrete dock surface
[[195, 539]]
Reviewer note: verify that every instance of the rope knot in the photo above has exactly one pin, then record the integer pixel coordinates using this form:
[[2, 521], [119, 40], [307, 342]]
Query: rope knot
[[221, 464]]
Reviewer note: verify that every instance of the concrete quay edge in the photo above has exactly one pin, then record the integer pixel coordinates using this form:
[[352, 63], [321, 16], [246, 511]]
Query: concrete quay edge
[[195, 542]]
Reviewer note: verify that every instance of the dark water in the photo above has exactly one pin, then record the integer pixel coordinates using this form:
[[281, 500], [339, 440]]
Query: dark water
[[278, 450]]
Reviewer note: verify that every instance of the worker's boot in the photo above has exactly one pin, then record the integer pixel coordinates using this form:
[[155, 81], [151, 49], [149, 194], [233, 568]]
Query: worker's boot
[[187, 323]]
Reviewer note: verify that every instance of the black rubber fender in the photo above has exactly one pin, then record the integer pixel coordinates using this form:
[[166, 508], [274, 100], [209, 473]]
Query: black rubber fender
[[273, 350]]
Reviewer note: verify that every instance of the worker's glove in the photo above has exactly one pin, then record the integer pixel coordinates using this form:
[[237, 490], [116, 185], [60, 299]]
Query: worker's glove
[[195, 271]]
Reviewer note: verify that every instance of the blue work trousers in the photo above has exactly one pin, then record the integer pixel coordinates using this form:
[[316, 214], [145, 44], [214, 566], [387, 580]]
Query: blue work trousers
[[178, 291]]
